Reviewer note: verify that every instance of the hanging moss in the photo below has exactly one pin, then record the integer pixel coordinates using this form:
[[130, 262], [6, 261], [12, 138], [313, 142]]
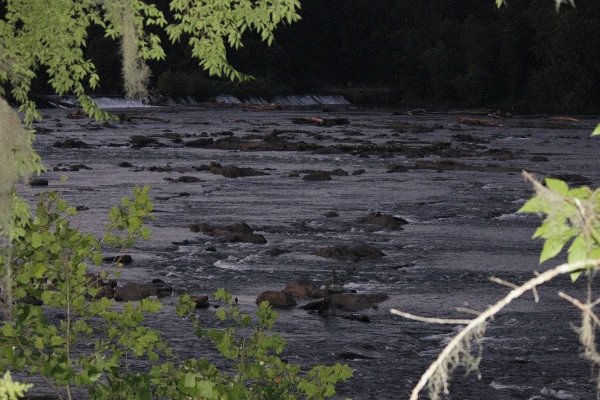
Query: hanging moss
[[17, 161]]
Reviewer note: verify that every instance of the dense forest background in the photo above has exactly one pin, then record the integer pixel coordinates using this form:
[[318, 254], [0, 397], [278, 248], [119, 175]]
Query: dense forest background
[[522, 57]]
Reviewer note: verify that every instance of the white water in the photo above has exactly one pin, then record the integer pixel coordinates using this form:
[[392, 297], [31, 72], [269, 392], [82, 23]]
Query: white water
[[292, 100]]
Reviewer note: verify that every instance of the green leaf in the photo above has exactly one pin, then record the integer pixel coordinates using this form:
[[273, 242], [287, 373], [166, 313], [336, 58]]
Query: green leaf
[[596, 131], [36, 240], [557, 186], [551, 248], [578, 250], [532, 205], [190, 380]]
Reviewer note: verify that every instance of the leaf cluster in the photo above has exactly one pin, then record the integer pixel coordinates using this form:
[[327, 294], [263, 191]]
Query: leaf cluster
[[572, 215], [254, 350]]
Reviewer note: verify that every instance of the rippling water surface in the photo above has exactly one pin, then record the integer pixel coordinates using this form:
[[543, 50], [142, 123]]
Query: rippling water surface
[[462, 230]]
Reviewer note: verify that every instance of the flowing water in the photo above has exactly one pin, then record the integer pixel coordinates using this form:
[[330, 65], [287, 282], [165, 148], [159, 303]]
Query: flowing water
[[462, 229]]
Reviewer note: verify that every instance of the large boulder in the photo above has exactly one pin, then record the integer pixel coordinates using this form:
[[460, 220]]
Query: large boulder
[[201, 301], [383, 220], [302, 289], [277, 299], [138, 291], [348, 253], [106, 288], [134, 291]]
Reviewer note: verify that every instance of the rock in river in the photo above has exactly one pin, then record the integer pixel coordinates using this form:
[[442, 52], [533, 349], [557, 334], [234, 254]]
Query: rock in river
[[384, 220], [347, 253], [281, 299], [239, 232], [304, 289]]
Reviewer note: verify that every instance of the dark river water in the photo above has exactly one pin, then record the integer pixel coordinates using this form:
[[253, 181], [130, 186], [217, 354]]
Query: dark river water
[[458, 190]]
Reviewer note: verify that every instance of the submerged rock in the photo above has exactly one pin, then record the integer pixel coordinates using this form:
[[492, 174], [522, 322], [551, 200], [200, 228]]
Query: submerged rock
[[347, 253], [356, 301], [71, 144], [277, 299], [230, 171], [239, 232], [384, 220], [317, 176], [122, 259], [139, 141]]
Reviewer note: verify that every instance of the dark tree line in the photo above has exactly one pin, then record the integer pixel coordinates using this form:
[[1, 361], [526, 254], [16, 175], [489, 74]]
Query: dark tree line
[[522, 57]]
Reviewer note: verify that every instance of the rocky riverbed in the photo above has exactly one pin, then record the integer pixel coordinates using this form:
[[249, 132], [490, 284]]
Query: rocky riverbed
[[415, 210]]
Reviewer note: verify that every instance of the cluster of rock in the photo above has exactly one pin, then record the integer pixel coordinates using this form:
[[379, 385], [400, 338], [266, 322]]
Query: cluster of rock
[[325, 302], [238, 232]]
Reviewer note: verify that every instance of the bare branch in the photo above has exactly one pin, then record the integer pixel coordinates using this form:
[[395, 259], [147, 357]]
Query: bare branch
[[490, 312], [431, 320]]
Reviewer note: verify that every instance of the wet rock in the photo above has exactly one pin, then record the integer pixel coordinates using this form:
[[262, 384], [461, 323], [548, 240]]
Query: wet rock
[[173, 137], [317, 176], [358, 172], [293, 175], [201, 301], [125, 164], [188, 179], [106, 288], [478, 122], [313, 305], [574, 179], [202, 142], [320, 121], [304, 289], [331, 214], [348, 253], [122, 259], [539, 159], [500, 154], [135, 291], [277, 299], [71, 144], [239, 232], [276, 251], [156, 168], [230, 171], [466, 138], [338, 172], [350, 355], [407, 127], [355, 301], [70, 168], [384, 220], [139, 141], [211, 249], [356, 317], [396, 168], [38, 182]]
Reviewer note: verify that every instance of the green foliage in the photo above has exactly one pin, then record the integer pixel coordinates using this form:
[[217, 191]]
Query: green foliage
[[35, 34], [572, 216], [212, 25], [254, 352], [11, 390], [50, 259]]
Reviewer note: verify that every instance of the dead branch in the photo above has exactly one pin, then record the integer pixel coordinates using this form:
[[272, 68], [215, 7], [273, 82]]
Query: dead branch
[[490, 312]]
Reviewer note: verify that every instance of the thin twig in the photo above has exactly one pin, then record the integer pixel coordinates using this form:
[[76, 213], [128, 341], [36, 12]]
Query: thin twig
[[586, 308], [491, 311], [467, 310], [511, 285]]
